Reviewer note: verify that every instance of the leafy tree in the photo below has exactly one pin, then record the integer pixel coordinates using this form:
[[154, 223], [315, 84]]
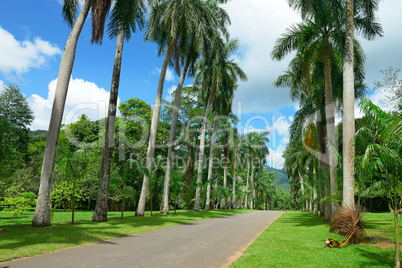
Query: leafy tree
[[19, 204], [15, 118], [391, 85]]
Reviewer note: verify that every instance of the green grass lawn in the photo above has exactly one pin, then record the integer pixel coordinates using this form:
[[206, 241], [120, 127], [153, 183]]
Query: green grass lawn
[[296, 239], [18, 238]]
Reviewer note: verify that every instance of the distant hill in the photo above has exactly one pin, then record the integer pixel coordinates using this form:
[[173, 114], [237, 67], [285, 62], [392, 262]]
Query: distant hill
[[37, 132], [283, 181]]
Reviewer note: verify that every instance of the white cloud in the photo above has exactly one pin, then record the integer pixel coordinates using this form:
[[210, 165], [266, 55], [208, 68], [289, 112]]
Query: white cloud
[[284, 141], [169, 74], [1, 85], [169, 96], [83, 98], [266, 21], [20, 56], [281, 126], [275, 158]]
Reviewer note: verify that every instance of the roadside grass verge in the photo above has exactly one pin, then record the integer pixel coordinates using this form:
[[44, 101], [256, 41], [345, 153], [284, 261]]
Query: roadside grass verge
[[296, 239], [18, 238]]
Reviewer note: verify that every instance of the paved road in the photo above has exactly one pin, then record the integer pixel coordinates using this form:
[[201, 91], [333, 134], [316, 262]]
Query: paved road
[[209, 243]]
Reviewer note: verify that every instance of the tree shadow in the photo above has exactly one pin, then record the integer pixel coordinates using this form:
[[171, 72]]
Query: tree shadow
[[374, 259]]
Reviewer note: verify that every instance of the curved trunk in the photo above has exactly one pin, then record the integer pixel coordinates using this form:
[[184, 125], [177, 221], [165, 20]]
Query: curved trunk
[[197, 203], [211, 163], [330, 116], [152, 136], [42, 210], [100, 211], [173, 126], [348, 111]]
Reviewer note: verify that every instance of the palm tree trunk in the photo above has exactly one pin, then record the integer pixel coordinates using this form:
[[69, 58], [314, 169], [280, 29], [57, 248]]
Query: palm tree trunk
[[211, 163], [252, 188], [197, 203], [248, 177], [173, 126], [321, 157], [330, 116], [315, 201], [152, 137], [348, 111], [42, 211], [225, 176], [397, 257], [234, 183], [302, 190], [100, 212]]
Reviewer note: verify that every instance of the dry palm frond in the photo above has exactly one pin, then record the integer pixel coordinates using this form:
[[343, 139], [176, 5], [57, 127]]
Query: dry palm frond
[[348, 221]]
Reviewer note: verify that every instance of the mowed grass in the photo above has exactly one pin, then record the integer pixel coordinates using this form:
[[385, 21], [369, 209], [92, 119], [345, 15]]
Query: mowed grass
[[296, 239], [18, 238]]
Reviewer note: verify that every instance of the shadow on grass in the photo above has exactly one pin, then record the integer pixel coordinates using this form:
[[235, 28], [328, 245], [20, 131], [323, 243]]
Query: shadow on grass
[[308, 220], [374, 259]]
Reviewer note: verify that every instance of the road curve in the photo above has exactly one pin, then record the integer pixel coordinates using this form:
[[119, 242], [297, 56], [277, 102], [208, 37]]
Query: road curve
[[209, 243]]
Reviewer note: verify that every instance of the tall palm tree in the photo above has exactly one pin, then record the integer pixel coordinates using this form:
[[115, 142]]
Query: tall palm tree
[[191, 51], [126, 16], [170, 23], [217, 73], [348, 93], [211, 162], [257, 147], [321, 33], [70, 9]]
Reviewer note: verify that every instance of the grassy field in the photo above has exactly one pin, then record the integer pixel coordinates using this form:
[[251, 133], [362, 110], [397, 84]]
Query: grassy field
[[296, 239], [18, 238]]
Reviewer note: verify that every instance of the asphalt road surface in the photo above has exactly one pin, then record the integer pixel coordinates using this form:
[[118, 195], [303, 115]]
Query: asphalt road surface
[[209, 243]]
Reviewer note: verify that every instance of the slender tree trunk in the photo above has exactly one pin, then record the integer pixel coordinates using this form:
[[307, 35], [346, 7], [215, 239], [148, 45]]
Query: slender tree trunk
[[197, 203], [348, 111], [248, 172], [188, 177], [252, 187], [100, 212], [321, 157], [122, 208], [397, 258], [315, 201], [42, 210], [173, 126], [302, 190], [234, 183], [211, 163], [152, 137], [327, 210], [73, 204], [225, 176], [330, 116]]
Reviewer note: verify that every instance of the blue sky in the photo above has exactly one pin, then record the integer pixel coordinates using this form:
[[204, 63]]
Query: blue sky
[[33, 35]]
